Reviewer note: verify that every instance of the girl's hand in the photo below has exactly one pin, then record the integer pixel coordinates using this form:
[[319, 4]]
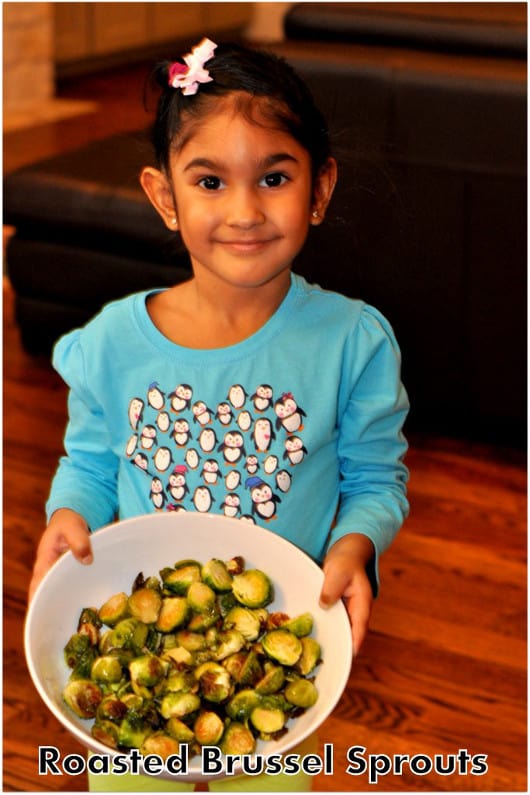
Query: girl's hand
[[66, 530], [345, 576]]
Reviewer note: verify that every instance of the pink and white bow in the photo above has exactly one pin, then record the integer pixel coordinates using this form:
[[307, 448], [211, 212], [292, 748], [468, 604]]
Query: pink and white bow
[[189, 74]]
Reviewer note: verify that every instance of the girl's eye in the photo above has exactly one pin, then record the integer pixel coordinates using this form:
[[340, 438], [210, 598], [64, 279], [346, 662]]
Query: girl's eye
[[274, 180], [210, 183]]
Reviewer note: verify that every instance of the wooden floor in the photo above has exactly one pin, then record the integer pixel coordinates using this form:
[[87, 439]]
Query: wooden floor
[[443, 670]]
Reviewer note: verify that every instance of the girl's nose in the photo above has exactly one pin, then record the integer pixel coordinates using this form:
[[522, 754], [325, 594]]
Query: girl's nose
[[244, 209]]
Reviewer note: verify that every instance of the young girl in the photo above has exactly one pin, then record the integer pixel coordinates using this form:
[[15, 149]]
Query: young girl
[[244, 390]]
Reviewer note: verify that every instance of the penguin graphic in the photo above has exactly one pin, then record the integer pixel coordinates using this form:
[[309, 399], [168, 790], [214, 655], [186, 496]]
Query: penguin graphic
[[177, 487], [210, 471], [202, 499], [162, 459], [244, 420], [232, 480], [263, 500], [231, 505], [294, 450], [181, 432], [163, 421], [155, 397], [237, 396], [201, 413], [140, 461], [283, 480], [180, 399], [175, 507], [252, 464], [270, 464], [289, 414], [136, 412], [232, 447], [262, 397], [246, 517], [131, 445], [207, 440], [192, 458], [158, 498], [263, 434], [224, 413], [148, 437]]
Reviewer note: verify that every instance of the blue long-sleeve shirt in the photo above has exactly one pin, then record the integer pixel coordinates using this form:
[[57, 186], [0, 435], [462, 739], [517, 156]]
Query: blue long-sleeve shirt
[[297, 428]]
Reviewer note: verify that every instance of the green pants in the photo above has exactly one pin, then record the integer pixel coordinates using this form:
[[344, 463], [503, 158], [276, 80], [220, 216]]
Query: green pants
[[300, 782]]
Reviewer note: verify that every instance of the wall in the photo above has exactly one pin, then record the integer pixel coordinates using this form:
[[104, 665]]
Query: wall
[[28, 74]]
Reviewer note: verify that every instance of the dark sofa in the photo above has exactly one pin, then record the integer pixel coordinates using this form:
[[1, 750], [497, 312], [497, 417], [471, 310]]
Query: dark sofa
[[428, 223]]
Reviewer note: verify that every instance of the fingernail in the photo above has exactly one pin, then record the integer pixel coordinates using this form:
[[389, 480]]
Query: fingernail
[[86, 560]]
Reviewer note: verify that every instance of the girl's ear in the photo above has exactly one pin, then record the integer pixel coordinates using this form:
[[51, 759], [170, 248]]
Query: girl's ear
[[158, 190], [323, 190]]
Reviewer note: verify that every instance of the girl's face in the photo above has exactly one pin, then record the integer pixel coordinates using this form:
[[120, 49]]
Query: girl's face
[[243, 198]]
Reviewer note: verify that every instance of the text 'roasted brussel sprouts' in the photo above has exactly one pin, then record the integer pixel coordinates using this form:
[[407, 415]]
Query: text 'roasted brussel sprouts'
[[191, 657]]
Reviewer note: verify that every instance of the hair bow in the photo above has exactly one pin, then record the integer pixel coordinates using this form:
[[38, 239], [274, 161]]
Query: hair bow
[[189, 74]]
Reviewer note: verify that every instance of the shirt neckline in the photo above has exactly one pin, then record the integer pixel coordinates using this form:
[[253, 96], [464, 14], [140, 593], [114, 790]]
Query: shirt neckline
[[263, 335]]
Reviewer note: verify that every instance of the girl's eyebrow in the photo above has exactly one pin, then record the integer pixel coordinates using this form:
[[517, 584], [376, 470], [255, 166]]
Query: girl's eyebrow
[[217, 165]]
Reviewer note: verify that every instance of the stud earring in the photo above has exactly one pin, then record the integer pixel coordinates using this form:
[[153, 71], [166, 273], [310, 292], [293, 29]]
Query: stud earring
[[173, 221], [315, 214]]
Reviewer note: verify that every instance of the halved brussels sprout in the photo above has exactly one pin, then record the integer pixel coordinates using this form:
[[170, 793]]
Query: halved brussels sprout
[[144, 604], [238, 739], [310, 657], [132, 733], [179, 655], [83, 697], [245, 620], [181, 680], [252, 588], [241, 705], [181, 576], [208, 728], [266, 720], [130, 633], [283, 646], [76, 648], [192, 641], [235, 565], [106, 732], [300, 625], [111, 708], [174, 612], [201, 597], [177, 705], [301, 693], [200, 622], [177, 729], [160, 744], [214, 681], [227, 642], [146, 672], [106, 670], [215, 574], [272, 680], [114, 609]]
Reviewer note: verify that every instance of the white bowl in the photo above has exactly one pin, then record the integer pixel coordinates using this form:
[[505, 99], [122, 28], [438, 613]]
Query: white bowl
[[148, 543]]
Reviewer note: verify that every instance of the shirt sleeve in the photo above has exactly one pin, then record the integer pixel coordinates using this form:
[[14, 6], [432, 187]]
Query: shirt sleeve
[[86, 478], [371, 445]]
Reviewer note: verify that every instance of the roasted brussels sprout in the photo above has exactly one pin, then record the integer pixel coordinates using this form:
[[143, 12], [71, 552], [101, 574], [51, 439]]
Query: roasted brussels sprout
[[161, 744], [238, 739], [301, 693], [215, 574], [83, 697], [145, 604], [283, 646], [192, 656], [310, 656], [106, 670], [114, 609], [208, 728], [252, 588], [174, 612], [246, 621]]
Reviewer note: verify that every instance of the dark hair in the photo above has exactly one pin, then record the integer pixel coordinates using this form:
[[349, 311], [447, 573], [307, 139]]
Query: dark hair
[[285, 100]]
